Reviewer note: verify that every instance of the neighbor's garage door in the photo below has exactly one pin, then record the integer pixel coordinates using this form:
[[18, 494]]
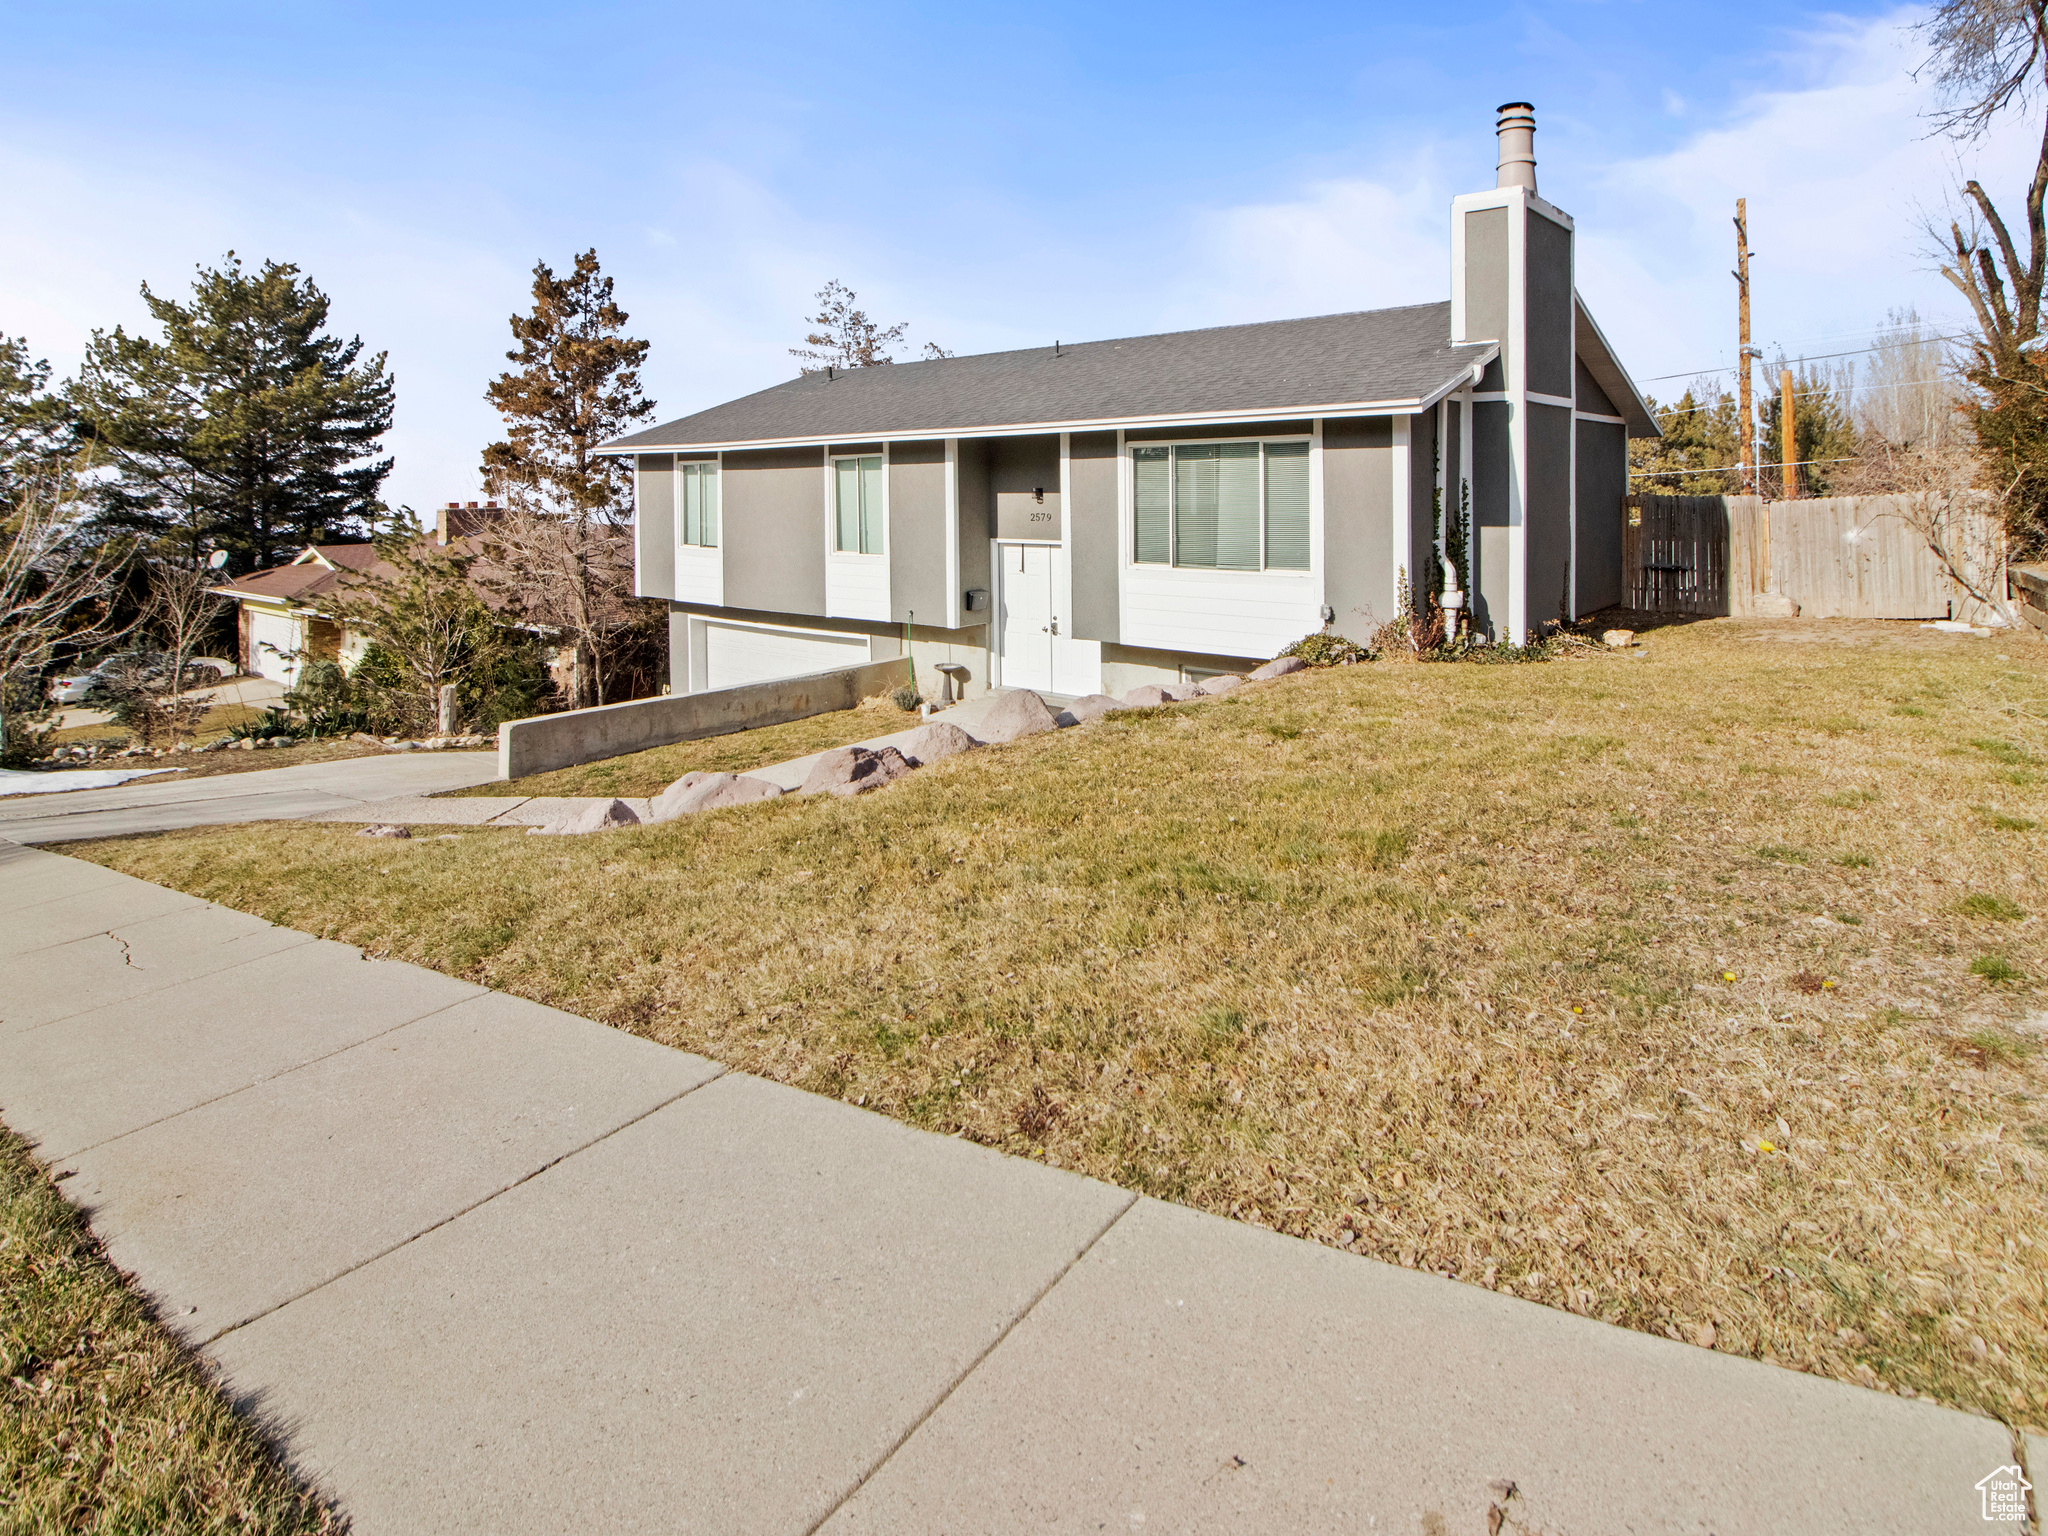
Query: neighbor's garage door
[[743, 653], [273, 637]]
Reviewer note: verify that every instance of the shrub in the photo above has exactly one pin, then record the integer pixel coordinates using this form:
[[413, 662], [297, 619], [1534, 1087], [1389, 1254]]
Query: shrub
[[904, 696], [1325, 648]]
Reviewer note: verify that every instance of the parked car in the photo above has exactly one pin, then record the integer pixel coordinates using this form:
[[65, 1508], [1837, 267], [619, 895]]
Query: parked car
[[151, 667]]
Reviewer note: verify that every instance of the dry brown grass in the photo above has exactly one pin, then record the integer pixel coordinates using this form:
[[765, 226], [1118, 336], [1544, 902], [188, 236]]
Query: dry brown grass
[[649, 773], [108, 1425], [1502, 972]]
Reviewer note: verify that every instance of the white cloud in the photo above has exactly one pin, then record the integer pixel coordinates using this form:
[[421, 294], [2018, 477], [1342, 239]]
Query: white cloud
[[1344, 244], [1836, 171], [1836, 168]]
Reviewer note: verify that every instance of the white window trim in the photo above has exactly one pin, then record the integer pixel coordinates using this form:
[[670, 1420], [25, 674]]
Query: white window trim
[[832, 549], [1128, 509], [684, 547]]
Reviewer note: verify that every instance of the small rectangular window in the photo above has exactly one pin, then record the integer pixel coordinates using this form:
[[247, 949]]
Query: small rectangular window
[[1221, 506], [857, 505], [699, 488]]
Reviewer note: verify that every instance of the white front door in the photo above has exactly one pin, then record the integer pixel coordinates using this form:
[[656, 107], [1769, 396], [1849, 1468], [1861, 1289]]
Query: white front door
[[1024, 591]]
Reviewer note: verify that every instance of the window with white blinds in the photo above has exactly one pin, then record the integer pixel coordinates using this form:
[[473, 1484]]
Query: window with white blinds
[[857, 498], [1222, 506], [698, 484]]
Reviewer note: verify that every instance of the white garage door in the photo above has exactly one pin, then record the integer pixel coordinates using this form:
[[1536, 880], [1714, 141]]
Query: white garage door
[[273, 637], [743, 653]]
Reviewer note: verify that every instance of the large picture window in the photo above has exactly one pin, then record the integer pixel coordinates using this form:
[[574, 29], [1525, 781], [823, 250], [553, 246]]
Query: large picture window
[[699, 485], [857, 511], [1222, 506]]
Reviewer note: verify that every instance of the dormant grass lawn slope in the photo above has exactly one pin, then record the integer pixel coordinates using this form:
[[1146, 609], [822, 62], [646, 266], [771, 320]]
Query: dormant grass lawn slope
[[1691, 992], [649, 773], [109, 1426]]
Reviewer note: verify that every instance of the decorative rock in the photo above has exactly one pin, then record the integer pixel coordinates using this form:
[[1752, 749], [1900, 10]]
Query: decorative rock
[[1277, 668], [385, 829], [364, 738], [1146, 696], [855, 770], [598, 816], [935, 740], [1017, 712], [1773, 605], [1090, 707], [709, 792], [1620, 639], [1180, 693], [1223, 683], [667, 805]]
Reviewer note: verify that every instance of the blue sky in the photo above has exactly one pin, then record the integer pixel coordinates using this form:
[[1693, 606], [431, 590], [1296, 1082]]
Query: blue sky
[[996, 176]]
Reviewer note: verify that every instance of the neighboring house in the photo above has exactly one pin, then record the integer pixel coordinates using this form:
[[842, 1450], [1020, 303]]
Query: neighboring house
[[283, 619], [1086, 517]]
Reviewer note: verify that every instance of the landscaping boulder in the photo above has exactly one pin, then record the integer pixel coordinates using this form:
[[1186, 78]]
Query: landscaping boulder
[[1618, 638], [1090, 707], [598, 816], [855, 770], [1212, 686], [1279, 668], [934, 740], [667, 805], [1180, 693], [1147, 696], [385, 829], [1016, 713], [1772, 605], [709, 792]]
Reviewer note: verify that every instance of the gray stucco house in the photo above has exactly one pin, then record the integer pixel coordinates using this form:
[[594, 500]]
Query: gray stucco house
[[1086, 517]]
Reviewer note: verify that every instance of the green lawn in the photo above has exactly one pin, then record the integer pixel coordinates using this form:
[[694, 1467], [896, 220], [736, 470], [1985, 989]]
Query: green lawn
[[649, 773], [110, 1426], [1697, 993]]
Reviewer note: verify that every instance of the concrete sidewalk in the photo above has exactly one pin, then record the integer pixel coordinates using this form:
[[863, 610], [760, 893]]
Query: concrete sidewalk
[[485, 1266], [266, 794]]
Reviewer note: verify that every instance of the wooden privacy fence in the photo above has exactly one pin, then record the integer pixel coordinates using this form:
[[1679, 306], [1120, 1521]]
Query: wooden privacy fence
[[1674, 552], [1838, 557]]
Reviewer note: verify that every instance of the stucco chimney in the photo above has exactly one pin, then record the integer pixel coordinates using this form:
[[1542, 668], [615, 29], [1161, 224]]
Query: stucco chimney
[[1517, 131]]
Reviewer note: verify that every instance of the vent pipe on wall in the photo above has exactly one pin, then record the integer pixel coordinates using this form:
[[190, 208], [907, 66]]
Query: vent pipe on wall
[[1517, 131]]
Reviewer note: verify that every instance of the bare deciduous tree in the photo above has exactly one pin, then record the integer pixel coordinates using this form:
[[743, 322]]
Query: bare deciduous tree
[[576, 581], [55, 586], [842, 335], [1939, 493]]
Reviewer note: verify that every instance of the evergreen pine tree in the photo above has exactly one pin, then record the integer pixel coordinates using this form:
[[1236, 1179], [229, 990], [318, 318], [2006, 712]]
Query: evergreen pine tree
[[245, 426]]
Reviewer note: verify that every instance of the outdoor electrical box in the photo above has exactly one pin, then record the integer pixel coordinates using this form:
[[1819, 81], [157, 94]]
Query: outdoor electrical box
[[977, 599]]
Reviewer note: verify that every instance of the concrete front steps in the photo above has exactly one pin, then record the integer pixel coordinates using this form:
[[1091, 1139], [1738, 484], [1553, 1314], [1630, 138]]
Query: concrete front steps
[[484, 1266]]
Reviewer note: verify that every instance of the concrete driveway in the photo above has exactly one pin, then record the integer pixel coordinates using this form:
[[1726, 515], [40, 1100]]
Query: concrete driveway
[[271, 794]]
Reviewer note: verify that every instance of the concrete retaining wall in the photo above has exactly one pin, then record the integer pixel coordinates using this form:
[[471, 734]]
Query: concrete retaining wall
[[611, 730]]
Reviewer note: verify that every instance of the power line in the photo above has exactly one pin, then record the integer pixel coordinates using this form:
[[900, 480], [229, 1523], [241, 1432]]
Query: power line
[[1723, 469], [1807, 394], [1816, 357]]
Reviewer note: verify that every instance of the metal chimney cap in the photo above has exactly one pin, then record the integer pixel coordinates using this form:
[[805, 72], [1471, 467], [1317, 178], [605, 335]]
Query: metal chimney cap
[[1517, 133]]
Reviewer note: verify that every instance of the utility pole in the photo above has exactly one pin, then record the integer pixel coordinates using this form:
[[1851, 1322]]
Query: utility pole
[[1743, 354], [1787, 411]]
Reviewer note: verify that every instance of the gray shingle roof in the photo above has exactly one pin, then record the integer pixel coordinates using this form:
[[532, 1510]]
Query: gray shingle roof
[[1278, 368]]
